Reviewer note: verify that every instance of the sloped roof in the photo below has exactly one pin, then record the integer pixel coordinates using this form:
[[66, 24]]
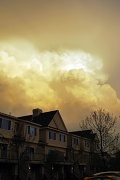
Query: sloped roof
[[43, 118], [85, 133]]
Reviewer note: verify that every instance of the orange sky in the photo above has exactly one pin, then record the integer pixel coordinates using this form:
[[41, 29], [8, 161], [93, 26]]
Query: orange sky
[[60, 55]]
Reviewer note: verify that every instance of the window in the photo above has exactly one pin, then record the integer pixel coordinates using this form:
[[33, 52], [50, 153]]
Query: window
[[50, 151], [87, 144], [30, 150], [96, 146], [5, 124], [76, 141], [3, 146], [62, 137], [52, 135], [3, 150], [32, 130]]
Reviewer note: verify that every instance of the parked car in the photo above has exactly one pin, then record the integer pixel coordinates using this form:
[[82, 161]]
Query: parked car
[[100, 178], [108, 173]]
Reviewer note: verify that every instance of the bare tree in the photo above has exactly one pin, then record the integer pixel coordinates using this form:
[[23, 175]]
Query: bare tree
[[103, 124], [21, 148]]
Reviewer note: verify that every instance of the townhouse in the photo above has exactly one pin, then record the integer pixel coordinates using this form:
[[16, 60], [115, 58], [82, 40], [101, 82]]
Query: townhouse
[[52, 140], [39, 146], [85, 143], [16, 139]]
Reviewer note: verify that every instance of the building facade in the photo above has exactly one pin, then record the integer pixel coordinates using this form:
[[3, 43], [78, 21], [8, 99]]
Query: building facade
[[39, 146]]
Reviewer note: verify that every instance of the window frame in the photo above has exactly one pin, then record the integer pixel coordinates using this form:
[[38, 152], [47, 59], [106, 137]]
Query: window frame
[[75, 141], [87, 144], [52, 135], [5, 124], [32, 130], [62, 138]]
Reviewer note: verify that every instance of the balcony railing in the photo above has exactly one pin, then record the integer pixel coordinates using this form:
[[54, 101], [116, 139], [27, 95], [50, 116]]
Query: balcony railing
[[6, 155], [35, 157]]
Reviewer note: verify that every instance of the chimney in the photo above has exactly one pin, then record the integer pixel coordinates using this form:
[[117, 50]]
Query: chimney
[[36, 112]]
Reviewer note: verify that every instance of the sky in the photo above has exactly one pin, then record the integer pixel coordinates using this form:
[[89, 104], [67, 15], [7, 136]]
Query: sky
[[60, 54]]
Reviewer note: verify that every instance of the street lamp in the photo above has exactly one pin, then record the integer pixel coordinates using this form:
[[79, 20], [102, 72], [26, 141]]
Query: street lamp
[[29, 167]]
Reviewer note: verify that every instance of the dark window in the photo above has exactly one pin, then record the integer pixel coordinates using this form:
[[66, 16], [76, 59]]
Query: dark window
[[30, 150], [32, 131], [75, 140], [62, 137], [87, 144], [52, 135], [0, 122], [5, 124], [17, 127], [3, 150]]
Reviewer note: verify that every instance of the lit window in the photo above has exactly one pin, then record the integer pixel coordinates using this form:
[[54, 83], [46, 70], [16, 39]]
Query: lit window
[[32, 130], [62, 137], [52, 135], [5, 124]]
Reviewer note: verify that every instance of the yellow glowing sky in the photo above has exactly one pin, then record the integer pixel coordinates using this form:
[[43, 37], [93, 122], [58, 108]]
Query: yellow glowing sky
[[60, 54]]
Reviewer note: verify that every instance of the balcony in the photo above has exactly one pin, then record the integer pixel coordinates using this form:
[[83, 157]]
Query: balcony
[[12, 157], [36, 158], [8, 156]]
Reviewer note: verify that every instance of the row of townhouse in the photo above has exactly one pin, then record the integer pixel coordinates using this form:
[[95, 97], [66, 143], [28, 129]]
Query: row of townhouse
[[38, 146]]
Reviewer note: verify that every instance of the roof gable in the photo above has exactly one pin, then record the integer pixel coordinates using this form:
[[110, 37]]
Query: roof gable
[[47, 119], [57, 122], [43, 118]]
